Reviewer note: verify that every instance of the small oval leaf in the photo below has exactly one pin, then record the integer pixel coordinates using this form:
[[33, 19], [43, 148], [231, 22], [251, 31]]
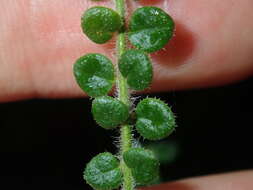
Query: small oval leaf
[[155, 120], [109, 112], [143, 163], [136, 66], [150, 29], [99, 23], [103, 172], [95, 74]]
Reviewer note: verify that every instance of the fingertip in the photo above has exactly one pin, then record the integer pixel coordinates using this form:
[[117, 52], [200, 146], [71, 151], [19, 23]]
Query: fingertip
[[229, 181]]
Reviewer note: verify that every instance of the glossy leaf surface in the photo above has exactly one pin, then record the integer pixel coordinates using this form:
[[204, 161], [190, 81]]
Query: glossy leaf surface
[[143, 164], [95, 74], [136, 66], [109, 112], [155, 120], [103, 172], [150, 29], [99, 23]]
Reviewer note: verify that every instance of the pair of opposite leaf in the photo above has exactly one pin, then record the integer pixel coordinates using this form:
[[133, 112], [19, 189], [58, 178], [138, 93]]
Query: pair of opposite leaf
[[150, 28], [155, 119], [95, 73], [103, 171]]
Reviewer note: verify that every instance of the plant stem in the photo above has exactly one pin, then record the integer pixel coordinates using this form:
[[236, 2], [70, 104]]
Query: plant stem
[[123, 95], [126, 144]]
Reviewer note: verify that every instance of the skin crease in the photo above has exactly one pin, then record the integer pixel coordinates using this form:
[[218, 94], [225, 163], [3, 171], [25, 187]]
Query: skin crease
[[41, 39]]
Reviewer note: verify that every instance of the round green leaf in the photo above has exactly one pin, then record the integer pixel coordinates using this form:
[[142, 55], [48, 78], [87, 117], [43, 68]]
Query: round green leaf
[[99, 24], [150, 29], [143, 163], [95, 74], [103, 172], [155, 120], [109, 112], [136, 66]]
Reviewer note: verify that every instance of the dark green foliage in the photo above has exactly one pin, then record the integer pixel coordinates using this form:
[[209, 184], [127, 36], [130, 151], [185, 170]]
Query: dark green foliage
[[99, 24], [144, 165], [155, 119], [95, 74], [103, 172], [136, 66], [166, 152], [109, 112], [150, 29]]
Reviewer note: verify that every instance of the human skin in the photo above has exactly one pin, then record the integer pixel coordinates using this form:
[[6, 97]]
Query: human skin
[[230, 181], [41, 39]]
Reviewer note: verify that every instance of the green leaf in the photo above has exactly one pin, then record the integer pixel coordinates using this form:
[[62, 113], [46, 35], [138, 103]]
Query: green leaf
[[95, 74], [103, 172], [99, 24], [136, 66], [150, 29], [155, 120], [109, 112], [166, 152], [143, 163]]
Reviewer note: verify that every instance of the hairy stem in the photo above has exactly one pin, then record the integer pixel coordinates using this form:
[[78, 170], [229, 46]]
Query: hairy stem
[[126, 144], [123, 95]]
